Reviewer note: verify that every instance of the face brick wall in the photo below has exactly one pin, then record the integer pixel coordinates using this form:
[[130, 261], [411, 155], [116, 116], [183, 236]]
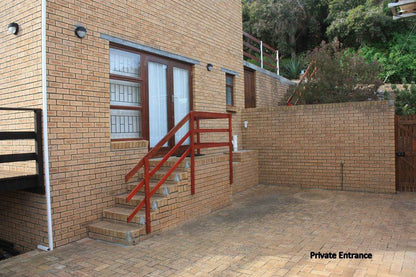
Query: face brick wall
[[212, 192], [86, 168], [20, 67], [270, 88], [304, 146], [245, 169], [22, 214]]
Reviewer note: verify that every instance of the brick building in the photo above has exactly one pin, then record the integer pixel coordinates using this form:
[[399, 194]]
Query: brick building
[[112, 78], [110, 96]]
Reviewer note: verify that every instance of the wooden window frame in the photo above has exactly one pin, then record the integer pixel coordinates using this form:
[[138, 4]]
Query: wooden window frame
[[232, 90], [145, 57], [137, 80]]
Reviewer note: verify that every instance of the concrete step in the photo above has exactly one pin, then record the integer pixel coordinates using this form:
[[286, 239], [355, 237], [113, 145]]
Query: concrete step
[[121, 213], [156, 201], [167, 188], [117, 232]]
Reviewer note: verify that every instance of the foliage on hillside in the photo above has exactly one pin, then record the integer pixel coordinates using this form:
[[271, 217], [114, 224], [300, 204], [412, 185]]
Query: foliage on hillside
[[364, 26], [405, 100], [340, 77]]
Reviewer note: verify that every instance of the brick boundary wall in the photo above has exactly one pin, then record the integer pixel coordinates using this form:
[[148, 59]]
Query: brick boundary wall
[[245, 169], [304, 146], [270, 87]]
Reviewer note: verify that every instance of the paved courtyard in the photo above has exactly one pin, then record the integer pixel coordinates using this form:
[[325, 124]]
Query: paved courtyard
[[267, 231]]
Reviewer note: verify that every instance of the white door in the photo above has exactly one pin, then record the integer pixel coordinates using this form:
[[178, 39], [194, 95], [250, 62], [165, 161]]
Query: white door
[[181, 100], [158, 102]]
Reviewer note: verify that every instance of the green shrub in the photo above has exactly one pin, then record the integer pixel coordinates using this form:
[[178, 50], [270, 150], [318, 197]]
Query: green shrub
[[397, 57], [340, 77], [405, 100], [292, 68]]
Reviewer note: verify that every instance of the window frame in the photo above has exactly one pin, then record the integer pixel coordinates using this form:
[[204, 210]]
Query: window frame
[[232, 90], [138, 80], [145, 57]]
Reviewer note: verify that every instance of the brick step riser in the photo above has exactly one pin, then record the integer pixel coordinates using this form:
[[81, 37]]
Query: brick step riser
[[139, 219], [164, 190], [176, 177], [123, 237], [155, 204], [115, 217], [102, 237], [170, 163], [163, 169]]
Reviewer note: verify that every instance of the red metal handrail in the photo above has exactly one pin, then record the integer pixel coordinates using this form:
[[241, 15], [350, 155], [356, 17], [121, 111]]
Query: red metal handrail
[[144, 162]]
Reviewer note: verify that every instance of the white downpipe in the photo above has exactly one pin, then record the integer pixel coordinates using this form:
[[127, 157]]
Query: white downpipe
[[45, 133]]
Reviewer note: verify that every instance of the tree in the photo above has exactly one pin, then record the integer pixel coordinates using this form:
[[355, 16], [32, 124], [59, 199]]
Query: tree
[[291, 26], [340, 77], [397, 57], [405, 100], [359, 22]]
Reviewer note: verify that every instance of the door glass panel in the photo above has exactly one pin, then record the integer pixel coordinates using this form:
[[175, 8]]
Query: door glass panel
[[158, 104], [181, 100]]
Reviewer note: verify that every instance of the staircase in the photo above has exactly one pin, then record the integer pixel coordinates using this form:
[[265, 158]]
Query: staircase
[[114, 227], [163, 193]]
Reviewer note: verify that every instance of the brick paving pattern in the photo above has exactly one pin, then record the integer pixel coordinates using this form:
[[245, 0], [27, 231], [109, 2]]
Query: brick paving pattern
[[267, 231]]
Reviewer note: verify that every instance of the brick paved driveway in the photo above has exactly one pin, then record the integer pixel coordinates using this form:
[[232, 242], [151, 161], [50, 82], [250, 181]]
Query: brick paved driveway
[[268, 231]]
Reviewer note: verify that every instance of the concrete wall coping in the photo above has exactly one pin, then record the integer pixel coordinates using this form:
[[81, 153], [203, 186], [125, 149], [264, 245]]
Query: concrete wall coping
[[268, 73], [149, 49], [320, 106]]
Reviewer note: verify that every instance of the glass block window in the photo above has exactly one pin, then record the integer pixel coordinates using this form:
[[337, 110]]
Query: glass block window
[[125, 95], [229, 89]]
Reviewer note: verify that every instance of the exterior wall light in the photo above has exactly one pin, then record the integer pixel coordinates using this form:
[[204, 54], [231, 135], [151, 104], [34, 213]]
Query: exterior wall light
[[209, 67], [13, 28], [80, 31]]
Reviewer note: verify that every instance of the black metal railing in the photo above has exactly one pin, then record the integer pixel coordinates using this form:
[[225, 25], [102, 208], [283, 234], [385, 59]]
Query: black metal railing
[[32, 182]]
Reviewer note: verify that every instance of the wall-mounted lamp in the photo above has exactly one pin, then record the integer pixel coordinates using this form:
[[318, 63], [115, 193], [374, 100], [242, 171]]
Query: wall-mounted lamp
[[209, 67], [80, 31], [13, 28], [246, 124]]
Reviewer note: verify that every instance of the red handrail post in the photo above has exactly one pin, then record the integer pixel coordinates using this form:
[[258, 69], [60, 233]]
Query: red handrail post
[[198, 136], [147, 194], [230, 139], [192, 131]]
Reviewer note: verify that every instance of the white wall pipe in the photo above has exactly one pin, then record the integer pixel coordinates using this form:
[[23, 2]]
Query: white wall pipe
[[235, 143], [45, 133]]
